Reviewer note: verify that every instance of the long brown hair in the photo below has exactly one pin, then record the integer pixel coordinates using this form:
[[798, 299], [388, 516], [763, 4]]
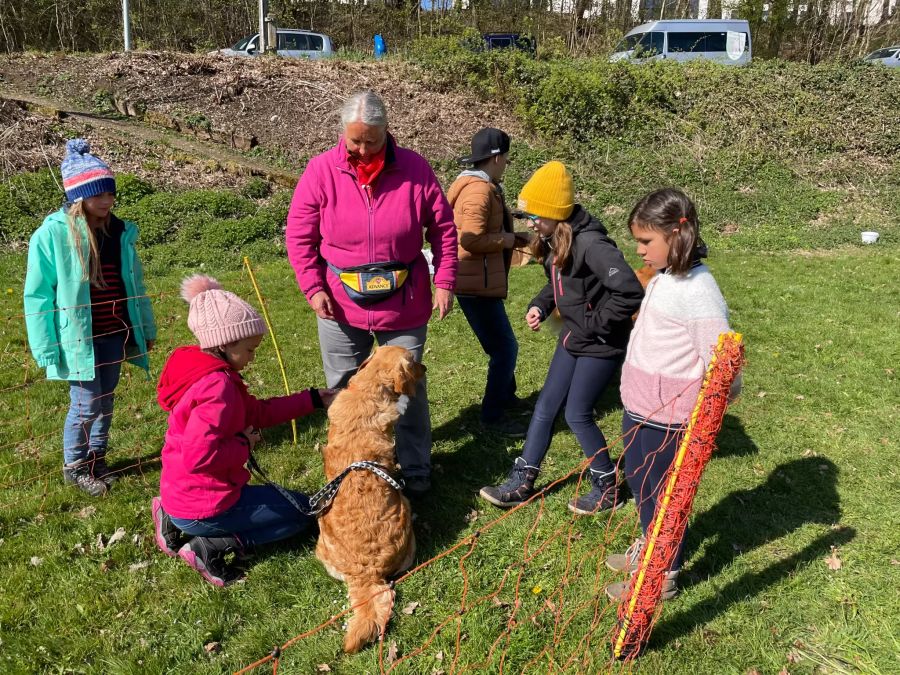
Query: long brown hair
[[671, 212], [91, 269], [560, 242]]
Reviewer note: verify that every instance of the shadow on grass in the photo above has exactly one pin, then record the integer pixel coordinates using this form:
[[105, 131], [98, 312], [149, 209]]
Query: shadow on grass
[[796, 493]]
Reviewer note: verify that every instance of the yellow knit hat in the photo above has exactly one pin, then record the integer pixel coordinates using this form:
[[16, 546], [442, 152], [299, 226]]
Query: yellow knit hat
[[549, 193]]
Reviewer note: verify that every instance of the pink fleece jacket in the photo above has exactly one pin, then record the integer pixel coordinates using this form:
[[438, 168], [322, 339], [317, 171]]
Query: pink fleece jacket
[[203, 457], [333, 218], [671, 345]]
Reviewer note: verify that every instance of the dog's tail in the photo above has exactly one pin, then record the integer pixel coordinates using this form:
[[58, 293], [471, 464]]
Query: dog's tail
[[373, 600]]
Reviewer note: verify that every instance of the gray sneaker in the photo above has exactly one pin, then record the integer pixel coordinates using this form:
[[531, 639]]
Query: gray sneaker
[[628, 561], [518, 487], [99, 468], [79, 475]]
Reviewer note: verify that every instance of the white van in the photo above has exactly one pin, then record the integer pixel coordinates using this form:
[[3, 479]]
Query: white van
[[292, 43], [723, 40]]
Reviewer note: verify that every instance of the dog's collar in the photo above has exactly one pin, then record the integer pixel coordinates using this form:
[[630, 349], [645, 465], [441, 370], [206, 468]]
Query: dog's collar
[[320, 501]]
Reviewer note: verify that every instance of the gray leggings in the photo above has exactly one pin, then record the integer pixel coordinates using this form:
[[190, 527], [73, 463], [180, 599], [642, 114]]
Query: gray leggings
[[344, 348]]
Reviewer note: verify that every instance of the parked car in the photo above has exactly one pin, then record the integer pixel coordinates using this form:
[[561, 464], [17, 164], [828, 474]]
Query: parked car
[[888, 56], [722, 40], [292, 43], [510, 41]]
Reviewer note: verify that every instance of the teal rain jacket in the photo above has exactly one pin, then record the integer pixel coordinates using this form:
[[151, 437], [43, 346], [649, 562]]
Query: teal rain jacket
[[58, 302]]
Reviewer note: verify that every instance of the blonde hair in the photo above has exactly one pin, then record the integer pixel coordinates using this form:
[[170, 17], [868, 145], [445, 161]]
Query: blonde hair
[[91, 269], [559, 243]]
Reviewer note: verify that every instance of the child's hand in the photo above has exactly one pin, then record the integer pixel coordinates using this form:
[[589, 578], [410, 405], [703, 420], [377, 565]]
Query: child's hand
[[327, 396], [252, 435], [533, 318]]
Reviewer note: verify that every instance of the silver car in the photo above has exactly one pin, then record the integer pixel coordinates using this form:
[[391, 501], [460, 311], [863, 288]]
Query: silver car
[[292, 43], [888, 56]]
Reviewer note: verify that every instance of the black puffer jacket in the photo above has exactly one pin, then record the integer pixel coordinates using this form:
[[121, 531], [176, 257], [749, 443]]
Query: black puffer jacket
[[596, 292]]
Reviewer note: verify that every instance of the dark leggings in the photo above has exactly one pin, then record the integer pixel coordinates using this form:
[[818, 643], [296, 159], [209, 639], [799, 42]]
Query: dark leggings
[[648, 454], [575, 382]]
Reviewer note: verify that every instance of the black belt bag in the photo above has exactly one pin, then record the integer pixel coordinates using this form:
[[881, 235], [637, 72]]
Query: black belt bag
[[373, 282]]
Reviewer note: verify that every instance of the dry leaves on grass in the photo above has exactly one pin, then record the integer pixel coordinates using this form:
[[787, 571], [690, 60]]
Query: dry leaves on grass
[[212, 647], [323, 668], [392, 652], [833, 561], [410, 608]]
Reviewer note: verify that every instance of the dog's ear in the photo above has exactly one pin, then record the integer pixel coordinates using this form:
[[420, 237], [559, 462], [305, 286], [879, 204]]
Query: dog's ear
[[407, 374], [366, 362]]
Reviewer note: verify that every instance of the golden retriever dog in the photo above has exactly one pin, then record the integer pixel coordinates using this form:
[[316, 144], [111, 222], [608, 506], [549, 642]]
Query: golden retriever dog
[[366, 535]]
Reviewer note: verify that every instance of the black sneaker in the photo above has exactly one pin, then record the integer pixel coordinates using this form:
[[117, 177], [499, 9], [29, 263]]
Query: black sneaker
[[416, 486], [99, 468], [209, 556], [168, 537], [518, 488], [79, 475], [605, 494], [506, 427], [519, 406]]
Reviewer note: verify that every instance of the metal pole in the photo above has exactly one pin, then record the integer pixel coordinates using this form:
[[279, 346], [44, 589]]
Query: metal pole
[[127, 25], [263, 11]]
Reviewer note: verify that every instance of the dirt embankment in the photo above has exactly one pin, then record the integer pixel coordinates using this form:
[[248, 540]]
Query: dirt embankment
[[292, 108]]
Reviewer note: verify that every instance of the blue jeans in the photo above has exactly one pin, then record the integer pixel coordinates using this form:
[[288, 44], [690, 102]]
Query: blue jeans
[[260, 516], [649, 453], [86, 429], [487, 317], [575, 382]]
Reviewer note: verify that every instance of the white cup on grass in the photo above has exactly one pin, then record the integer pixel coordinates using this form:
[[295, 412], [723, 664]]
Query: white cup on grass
[[869, 237]]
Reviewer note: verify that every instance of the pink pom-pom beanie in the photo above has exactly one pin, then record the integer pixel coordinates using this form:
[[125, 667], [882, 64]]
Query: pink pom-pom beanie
[[218, 317]]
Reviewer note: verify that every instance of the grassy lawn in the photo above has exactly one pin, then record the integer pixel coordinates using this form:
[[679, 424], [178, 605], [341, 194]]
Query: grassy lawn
[[806, 470]]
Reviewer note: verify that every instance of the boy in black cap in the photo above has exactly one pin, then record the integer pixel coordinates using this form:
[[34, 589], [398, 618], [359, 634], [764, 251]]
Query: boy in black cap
[[486, 241]]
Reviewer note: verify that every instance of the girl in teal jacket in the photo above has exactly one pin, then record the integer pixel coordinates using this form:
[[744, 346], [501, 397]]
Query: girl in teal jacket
[[86, 310]]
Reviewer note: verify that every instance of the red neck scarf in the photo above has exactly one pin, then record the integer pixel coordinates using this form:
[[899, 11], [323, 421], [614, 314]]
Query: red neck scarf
[[367, 172]]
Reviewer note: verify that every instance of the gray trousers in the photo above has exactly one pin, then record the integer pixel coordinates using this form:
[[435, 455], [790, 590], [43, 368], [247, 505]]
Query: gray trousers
[[345, 347]]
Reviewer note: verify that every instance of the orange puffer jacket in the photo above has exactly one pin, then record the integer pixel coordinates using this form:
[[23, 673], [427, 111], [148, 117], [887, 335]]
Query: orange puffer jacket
[[484, 233]]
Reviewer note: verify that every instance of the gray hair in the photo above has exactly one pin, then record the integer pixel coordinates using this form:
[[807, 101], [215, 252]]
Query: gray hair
[[366, 107]]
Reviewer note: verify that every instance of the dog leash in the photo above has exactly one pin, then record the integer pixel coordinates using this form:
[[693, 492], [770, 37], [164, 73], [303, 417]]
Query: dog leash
[[320, 501]]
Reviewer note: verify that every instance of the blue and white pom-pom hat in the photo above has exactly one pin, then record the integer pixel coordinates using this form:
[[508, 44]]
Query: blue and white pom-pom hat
[[83, 174]]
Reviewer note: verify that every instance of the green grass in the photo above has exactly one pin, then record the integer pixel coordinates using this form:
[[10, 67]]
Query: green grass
[[807, 461]]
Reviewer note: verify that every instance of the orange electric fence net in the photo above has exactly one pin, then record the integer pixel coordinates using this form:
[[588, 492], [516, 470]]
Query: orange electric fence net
[[523, 592]]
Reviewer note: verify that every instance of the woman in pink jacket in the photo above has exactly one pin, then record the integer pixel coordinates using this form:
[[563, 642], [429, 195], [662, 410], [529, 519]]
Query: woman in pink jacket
[[354, 237], [214, 423]]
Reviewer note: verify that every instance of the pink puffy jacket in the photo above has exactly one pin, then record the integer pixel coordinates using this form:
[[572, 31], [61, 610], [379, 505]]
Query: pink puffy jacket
[[203, 457], [332, 218]]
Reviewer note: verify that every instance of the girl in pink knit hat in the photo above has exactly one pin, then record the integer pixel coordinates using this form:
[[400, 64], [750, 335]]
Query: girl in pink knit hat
[[206, 511]]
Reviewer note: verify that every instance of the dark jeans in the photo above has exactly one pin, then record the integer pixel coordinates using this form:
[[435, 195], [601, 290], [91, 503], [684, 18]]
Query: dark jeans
[[648, 454], [260, 516], [487, 317], [575, 382]]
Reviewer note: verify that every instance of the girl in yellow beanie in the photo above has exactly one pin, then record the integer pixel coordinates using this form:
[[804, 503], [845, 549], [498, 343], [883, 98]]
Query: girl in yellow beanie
[[596, 293]]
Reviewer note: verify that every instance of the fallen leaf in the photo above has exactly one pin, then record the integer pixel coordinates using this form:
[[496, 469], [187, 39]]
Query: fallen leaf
[[793, 657], [323, 668], [834, 563], [35, 561], [576, 536], [136, 539], [895, 562], [392, 652], [472, 516], [800, 397], [439, 656], [117, 536], [761, 394], [107, 565], [79, 549], [100, 544], [410, 608], [752, 671], [808, 453], [784, 671], [87, 512], [212, 647], [497, 602], [144, 564]]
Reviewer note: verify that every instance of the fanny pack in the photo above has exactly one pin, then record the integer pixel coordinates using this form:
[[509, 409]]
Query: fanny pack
[[373, 282]]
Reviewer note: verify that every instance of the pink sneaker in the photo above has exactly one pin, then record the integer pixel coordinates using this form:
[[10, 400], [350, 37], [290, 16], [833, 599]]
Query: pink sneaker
[[207, 556], [168, 537]]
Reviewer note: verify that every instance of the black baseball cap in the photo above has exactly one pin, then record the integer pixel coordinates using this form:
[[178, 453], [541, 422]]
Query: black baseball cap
[[488, 142]]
